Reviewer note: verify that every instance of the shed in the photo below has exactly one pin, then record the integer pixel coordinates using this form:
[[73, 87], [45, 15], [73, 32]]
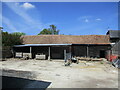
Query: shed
[[54, 46], [114, 35]]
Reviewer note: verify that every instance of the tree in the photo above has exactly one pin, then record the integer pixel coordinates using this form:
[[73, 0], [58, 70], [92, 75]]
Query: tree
[[18, 33], [52, 30], [1, 28], [45, 31], [10, 39]]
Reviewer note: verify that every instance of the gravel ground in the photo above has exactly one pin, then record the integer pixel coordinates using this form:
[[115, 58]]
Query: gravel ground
[[95, 74]]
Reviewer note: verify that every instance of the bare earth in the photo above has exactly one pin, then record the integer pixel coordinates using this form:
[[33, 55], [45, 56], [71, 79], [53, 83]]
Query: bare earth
[[83, 75]]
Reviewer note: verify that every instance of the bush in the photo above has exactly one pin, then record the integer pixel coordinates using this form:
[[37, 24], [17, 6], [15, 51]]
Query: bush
[[9, 39]]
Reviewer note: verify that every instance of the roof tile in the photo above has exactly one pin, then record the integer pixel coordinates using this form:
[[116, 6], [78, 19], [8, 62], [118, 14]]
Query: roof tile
[[66, 39]]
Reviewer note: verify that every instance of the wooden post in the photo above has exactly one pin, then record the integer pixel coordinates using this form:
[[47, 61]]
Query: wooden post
[[30, 49], [49, 53], [87, 51], [65, 55], [30, 52], [70, 52], [109, 54]]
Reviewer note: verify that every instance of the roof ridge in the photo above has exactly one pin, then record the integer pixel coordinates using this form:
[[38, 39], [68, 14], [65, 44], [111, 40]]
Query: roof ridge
[[65, 35]]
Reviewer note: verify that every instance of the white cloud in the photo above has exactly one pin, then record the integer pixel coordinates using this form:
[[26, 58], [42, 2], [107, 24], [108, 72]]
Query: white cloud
[[86, 20], [9, 24], [84, 17], [27, 5], [17, 4], [30, 21], [98, 19]]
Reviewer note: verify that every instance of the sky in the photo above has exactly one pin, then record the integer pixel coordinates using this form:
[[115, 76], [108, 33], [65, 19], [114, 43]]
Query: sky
[[71, 18]]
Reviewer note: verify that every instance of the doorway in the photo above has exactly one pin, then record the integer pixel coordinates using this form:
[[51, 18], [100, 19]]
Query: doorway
[[102, 53]]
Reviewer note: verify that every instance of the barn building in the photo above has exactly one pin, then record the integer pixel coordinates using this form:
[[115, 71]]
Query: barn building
[[115, 42], [58, 46]]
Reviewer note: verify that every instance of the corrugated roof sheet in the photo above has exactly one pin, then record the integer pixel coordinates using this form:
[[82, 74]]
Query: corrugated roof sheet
[[41, 45], [66, 39], [114, 33]]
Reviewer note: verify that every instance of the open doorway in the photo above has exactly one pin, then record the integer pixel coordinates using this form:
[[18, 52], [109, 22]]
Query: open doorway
[[102, 53]]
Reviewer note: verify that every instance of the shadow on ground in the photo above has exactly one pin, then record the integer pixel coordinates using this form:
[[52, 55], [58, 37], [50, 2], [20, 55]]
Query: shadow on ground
[[21, 83]]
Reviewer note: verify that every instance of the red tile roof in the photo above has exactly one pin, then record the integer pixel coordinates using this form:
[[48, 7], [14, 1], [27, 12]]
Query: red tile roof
[[66, 39]]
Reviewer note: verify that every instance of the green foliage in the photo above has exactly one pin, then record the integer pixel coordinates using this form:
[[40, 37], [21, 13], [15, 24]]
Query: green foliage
[[1, 28], [45, 31], [52, 30], [18, 33], [10, 39]]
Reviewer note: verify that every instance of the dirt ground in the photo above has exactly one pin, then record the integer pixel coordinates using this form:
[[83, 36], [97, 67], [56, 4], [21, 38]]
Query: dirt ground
[[92, 74]]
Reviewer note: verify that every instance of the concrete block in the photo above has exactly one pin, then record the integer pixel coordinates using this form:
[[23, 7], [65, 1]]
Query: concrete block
[[29, 54], [18, 54], [40, 57]]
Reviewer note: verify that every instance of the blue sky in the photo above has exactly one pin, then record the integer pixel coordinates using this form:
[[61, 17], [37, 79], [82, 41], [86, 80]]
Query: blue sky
[[71, 18]]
